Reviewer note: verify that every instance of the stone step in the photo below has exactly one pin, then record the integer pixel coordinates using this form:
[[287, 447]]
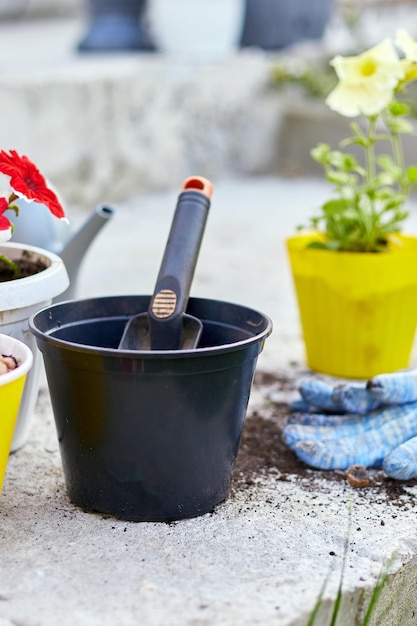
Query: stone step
[[35, 9], [104, 125]]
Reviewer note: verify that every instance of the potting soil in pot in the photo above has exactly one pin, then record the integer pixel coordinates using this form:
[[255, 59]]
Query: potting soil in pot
[[25, 265]]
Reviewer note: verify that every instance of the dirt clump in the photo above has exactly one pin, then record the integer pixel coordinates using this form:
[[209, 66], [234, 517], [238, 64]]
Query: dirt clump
[[263, 453]]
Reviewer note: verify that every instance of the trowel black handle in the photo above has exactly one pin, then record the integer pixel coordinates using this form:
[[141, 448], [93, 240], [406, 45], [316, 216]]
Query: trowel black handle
[[176, 273]]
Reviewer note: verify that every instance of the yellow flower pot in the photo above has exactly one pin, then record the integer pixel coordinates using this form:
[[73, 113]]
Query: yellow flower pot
[[358, 311], [11, 389]]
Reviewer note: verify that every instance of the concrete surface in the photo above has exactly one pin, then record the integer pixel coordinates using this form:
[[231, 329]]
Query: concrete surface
[[260, 558], [263, 555]]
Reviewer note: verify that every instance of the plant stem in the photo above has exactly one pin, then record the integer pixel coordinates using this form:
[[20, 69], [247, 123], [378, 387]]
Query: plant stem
[[11, 265], [370, 151], [370, 177], [399, 159]]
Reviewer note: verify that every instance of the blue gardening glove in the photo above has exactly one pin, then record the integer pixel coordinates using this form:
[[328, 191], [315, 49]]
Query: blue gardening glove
[[371, 424], [318, 396], [401, 463]]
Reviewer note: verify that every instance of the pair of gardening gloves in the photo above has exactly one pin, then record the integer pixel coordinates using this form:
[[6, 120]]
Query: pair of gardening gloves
[[357, 424]]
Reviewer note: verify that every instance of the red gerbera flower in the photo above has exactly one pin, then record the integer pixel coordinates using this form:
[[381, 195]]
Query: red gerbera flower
[[5, 224], [26, 180]]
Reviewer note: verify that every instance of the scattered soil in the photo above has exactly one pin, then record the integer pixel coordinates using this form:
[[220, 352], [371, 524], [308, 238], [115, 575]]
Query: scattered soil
[[27, 265], [262, 453]]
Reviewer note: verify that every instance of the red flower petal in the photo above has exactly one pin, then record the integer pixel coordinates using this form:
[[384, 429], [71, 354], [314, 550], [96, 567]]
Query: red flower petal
[[5, 224], [26, 179], [4, 205]]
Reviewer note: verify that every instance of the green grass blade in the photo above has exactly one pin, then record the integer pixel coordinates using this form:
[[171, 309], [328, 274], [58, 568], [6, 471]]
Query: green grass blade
[[336, 607], [319, 601], [380, 584], [338, 601]]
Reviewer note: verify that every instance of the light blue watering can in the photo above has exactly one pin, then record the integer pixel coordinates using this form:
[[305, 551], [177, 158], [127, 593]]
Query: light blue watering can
[[37, 227]]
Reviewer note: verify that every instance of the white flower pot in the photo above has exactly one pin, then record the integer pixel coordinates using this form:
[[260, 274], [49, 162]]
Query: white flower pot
[[19, 300], [207, 28]]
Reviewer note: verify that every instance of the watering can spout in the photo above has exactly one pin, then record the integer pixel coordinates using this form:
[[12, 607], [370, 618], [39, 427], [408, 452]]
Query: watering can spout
[[74, 250]]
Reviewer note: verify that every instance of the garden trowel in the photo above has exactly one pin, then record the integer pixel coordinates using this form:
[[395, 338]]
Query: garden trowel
[[166, 326]]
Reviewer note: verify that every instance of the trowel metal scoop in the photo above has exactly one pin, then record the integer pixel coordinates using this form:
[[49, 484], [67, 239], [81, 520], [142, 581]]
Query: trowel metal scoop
[[166, 326]]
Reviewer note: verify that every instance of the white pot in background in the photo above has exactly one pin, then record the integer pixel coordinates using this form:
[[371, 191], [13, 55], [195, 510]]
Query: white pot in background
[[19, 300], [206, 28]]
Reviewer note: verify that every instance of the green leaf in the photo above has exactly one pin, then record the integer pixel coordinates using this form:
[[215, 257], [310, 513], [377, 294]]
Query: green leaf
[[357, 131], [320, 153], [386, 162], [384, 180], [387, 193], [340, 178], [317, 245], [11, 265], [359, 141], [334, 207], [339, 160], [393, 203], [350, 164], [412, 174], [397, 126], [398, 108], [351, 214], [333, 245]]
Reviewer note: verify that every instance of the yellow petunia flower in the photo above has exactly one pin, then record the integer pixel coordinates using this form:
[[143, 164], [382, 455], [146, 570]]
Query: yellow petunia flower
[[409, 48], [354, 100], [406, 44], [367, 81]]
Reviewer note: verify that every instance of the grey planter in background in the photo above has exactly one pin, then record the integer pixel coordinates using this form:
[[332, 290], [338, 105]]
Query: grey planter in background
[[276, 24], [116, 25]]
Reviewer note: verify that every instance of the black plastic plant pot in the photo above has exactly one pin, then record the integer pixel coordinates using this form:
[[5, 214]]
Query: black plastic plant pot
[[148, 435]]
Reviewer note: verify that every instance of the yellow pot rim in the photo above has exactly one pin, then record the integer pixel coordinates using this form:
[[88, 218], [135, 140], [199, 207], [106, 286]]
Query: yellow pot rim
[[401, 243], [21, 352], [355, 273]]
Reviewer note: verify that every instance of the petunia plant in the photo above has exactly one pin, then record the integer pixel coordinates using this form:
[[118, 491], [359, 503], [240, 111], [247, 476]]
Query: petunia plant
[[26, 182], [370, 192]]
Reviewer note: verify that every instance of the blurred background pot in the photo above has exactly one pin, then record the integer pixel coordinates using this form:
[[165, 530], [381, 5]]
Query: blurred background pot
[[11, 390], [116, 25], [203, 27], [276, 24], [19, 299]]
